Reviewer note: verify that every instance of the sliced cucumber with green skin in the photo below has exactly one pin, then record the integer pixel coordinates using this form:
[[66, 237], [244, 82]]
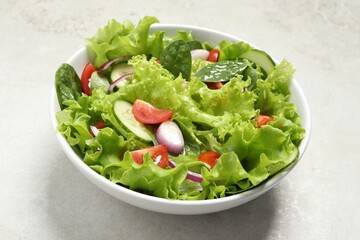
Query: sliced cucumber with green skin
[[123, 112], [261, 58], [98, 81], [120, 70]]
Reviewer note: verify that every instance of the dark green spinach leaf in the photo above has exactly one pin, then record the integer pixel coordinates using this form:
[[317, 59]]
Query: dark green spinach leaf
[[224, 71], [67, 84], [221, 71], [194, 44], [176, 58]]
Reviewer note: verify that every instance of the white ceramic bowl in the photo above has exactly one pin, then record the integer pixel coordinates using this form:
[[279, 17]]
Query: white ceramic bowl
[[78, 61]]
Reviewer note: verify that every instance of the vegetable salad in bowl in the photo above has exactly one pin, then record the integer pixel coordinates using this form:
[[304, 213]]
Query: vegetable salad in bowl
[[178, 117]]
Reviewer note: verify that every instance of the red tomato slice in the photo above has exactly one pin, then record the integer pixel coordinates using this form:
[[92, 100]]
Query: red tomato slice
[[148, 114], [215, 85], [209, 157], [158, 153], [85, 78], [100, 125], [214, 55], [263, 120]]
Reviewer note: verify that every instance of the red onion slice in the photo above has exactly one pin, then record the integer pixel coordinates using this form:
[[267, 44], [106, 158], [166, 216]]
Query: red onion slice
[[108, 64], [94, 130], [200, 54], [169, 133], [172, 164], [113, 84], [196, 177]]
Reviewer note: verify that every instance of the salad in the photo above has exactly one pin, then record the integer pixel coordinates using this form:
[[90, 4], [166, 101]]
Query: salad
[[175, 117]]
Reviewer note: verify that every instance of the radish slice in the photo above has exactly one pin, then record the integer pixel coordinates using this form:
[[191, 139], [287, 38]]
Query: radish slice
[[113, 84], [199, 54], [94, 130], [196, 177], [169, 133], [108, 64]]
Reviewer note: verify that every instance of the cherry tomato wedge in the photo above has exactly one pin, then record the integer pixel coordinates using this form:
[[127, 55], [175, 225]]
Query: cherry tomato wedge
[[262, 120], [158, 153], [85, 78], [215, 85], [209, 157], [214, 55], [148, 114], [99, 125]]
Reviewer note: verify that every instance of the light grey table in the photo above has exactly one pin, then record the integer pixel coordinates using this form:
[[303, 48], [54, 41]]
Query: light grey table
[[42, 196]]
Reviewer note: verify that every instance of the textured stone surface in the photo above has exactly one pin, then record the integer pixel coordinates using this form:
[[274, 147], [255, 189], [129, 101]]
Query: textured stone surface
[[42, 196]]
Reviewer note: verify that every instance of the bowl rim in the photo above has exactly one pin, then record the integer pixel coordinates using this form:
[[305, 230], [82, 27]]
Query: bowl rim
[[245, 196]]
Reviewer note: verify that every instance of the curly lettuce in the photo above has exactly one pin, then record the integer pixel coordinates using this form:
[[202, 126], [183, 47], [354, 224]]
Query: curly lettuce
[[117, 39]]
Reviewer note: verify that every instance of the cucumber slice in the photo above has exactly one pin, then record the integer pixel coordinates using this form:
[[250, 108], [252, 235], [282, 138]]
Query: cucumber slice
[[123, 112], [98, 81], [118, 71], [261, 58]]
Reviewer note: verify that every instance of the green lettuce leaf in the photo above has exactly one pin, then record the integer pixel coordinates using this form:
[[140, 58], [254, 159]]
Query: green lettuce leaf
[[156, 44], [151, 179], [249, 160], [117, 39], [275, 88], [231, 98], [232, 51], [227, 171], [105, 149], [73, 123], [288, 120], [270, 150]]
